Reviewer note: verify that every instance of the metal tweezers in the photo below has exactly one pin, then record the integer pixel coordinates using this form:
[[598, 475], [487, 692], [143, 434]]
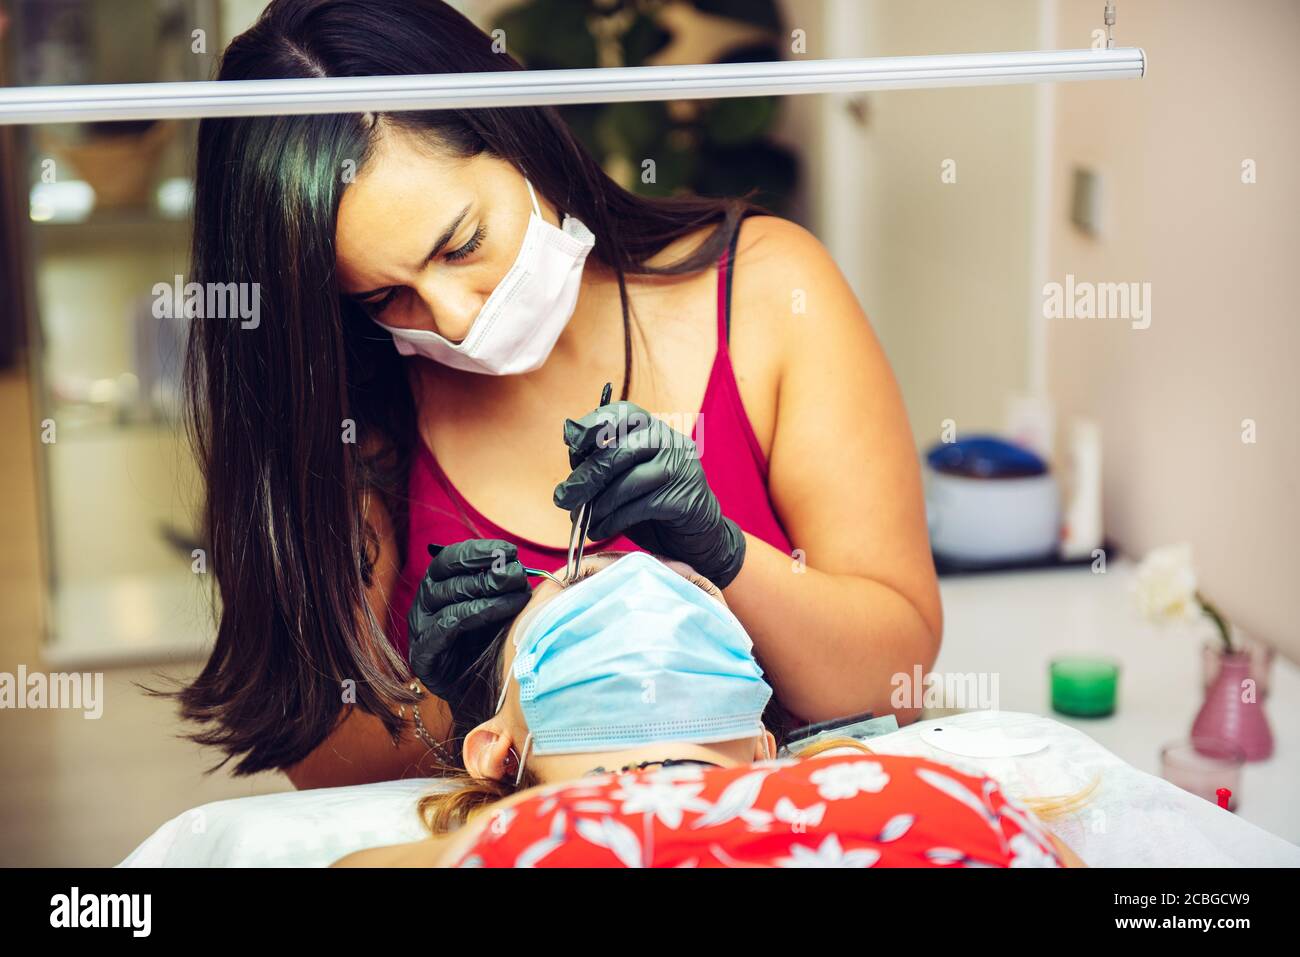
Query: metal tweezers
[[539, 573], [578, 531], [582, 516]]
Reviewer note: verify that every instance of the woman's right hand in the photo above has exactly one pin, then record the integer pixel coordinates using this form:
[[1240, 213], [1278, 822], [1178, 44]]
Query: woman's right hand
[[470, 589]]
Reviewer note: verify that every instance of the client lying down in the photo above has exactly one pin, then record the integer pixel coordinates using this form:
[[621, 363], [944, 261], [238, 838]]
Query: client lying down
[[627, 732]]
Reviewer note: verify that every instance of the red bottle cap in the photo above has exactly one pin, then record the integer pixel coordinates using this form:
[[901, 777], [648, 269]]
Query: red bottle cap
[[1223, 795]]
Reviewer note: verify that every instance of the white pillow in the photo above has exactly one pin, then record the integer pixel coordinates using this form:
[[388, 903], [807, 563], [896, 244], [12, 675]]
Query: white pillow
[[311, 828]]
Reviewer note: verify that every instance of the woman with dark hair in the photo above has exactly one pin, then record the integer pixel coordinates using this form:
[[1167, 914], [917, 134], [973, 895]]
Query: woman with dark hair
[[439, 291]]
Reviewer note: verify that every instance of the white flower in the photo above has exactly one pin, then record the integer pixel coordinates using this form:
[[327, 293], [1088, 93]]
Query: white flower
[[790, 813], [1165, 586], [1026, 852], [554, 839], [593, 807], [665, 799], [775, 763], [829, 854], [896, 827], [756, 819], [678, 772], [844, 780], [614, 835], [955, 790], [737, 800], [945, 855]]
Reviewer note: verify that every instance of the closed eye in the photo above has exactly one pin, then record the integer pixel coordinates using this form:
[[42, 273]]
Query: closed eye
[[474, 242], [374, 303], [376, 306]]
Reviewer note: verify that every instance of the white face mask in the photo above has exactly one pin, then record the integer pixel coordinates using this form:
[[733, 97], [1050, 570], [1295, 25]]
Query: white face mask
[[517, 327]]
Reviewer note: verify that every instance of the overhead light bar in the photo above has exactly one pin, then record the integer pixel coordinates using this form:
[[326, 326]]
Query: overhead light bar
[[139, 101]]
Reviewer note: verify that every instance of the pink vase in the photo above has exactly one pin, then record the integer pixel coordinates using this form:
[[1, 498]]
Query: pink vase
[[1230, 715], [1261, 659]]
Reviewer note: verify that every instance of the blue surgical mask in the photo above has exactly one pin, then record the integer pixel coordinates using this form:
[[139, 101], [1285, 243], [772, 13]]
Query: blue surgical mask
[[635, 654]]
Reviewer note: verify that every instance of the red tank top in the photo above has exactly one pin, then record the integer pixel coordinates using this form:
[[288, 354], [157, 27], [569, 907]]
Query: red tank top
[[730, 454]]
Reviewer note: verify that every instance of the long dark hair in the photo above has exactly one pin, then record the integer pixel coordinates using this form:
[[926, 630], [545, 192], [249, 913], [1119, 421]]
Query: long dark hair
[[284, 514]]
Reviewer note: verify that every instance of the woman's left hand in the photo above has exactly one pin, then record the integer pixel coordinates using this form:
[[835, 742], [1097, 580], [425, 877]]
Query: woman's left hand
[[644, 479]]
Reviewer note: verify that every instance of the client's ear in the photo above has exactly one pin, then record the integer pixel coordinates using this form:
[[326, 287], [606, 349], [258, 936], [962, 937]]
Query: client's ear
[[487, 752], [765, 747]]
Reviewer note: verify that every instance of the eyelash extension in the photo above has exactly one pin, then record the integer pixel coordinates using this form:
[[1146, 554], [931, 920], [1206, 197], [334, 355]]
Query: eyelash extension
[[585, 572], [700, 582], [377, 306], [474, 242]]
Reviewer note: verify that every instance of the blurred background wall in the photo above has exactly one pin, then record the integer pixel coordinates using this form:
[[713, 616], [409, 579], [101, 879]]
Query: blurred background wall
[[1221, 257], [941, 266]]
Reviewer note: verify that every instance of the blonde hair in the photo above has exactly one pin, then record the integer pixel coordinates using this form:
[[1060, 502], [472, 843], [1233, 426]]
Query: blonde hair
[[468, 796], [446, 810]]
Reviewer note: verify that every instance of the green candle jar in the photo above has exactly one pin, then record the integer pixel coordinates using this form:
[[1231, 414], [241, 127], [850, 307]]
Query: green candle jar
[[1084, 687]]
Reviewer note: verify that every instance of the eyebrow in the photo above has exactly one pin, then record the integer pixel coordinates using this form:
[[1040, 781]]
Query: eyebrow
[[438, 245]]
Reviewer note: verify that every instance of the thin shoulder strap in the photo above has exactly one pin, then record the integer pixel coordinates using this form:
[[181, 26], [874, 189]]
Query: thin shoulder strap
[[728, 267]]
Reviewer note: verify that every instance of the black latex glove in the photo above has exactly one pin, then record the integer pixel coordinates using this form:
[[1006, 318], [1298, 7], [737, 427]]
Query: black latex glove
[[645, 480], [460, 607]]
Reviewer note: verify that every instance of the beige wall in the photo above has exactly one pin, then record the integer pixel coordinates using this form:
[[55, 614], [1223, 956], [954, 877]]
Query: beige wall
[[943, 270], [1222, 258]]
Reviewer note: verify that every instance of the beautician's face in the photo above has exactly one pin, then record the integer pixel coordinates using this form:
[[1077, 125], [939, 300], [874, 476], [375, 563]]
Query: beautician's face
[[392, 216]]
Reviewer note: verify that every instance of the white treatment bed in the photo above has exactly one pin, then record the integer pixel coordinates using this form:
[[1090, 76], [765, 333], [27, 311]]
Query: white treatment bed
[[1132, 820]]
